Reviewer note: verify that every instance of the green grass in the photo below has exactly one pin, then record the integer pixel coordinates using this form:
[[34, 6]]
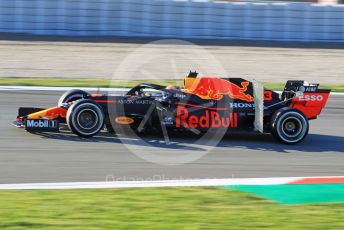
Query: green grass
[[119, 83], [159, 208]]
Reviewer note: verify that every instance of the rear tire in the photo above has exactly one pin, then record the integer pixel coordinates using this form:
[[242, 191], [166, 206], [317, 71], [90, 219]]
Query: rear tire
[[289, 126], [72, 95], [85, 118]]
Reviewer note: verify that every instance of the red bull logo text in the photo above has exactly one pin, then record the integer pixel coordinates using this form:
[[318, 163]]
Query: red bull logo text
[[210, 119], [216, 88]]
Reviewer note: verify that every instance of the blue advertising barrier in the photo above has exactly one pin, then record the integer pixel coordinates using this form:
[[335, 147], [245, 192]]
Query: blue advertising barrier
[[175, 18]]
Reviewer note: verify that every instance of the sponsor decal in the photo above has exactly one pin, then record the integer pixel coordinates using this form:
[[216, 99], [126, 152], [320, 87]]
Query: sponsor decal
[[123, 120], [33, 124], [312, 98], [311, 89], [210, 119], [308, 88], [216, 88], [135, 102], [242, 105]]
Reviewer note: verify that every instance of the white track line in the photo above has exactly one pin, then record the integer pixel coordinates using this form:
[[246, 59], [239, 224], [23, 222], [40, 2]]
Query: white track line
[[44, 88], [160, 183]]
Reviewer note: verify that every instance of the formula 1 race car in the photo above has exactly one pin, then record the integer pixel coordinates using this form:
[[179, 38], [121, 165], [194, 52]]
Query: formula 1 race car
[[204, 104]]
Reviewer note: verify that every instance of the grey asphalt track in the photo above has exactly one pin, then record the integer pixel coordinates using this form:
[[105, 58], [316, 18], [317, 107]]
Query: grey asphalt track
[[26, 158]]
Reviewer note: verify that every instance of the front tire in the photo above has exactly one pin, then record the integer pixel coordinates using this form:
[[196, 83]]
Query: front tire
[[85, 118], [289, 126]]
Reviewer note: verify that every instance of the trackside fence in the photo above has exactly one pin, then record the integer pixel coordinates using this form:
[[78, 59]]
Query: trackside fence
[[175, 18]]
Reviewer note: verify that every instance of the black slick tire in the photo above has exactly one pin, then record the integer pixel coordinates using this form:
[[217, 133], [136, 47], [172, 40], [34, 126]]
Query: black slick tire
[[289, 126], [85, 118]]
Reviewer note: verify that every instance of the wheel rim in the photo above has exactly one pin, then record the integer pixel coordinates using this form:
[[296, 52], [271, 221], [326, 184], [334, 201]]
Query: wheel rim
[[87, 119], [292, 127]]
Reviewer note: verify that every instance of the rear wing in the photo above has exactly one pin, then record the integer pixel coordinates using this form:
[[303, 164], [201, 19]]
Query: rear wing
[[306, 97]]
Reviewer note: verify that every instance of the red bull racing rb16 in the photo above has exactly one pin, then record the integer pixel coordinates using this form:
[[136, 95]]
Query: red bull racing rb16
[[206, 104]]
